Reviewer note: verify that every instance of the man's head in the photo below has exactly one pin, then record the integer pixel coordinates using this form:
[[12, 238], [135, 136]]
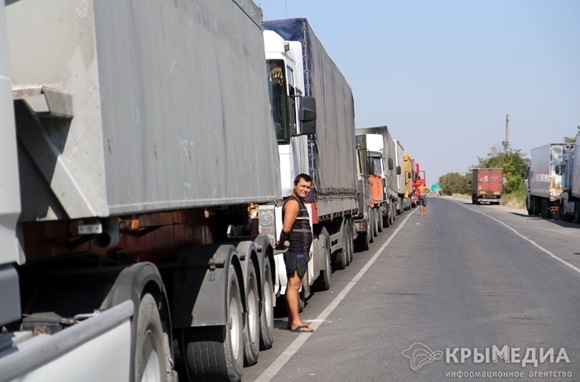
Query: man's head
[[302, 185]]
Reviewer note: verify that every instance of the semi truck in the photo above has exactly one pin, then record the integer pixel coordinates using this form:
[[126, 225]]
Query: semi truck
[[419, 179], [136, 136], [370, 167], [544, 181], [303, 77], [486, 185], [380, 140], [409, 166], [404, 201], [570, 196]]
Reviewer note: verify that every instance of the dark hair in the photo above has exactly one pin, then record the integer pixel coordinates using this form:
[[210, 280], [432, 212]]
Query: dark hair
[[306, 177]]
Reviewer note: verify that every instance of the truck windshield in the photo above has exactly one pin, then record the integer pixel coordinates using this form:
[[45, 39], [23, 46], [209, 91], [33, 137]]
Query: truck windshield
[[278, 99]]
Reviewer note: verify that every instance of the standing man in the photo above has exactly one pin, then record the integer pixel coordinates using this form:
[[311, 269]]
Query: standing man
[[423, 190], [296, 230]]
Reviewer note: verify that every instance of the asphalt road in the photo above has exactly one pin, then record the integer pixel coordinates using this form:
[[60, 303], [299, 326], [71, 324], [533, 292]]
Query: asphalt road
[[437, 296]]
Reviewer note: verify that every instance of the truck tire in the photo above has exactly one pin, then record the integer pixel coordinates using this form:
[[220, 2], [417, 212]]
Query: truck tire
[[152, 345], [340, 259], [252, 321], [386, 219], [216, 353], [535, 207], [323, 281], [379, 220], [372, 225], [577, 211], [545, 211], [267, 307], [362, 242], [350, 248]]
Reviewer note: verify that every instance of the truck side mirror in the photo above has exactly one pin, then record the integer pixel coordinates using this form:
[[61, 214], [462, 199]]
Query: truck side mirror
[[307, 116], [398, 170], [390, 163]]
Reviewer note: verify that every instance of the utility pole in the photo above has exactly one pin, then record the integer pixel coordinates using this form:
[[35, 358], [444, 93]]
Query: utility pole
[[507, 128]]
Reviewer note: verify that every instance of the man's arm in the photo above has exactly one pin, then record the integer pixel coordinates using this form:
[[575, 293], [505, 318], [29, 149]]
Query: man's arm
[[291, 210]]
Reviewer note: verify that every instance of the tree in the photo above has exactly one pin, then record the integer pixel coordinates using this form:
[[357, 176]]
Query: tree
[[454, 183]]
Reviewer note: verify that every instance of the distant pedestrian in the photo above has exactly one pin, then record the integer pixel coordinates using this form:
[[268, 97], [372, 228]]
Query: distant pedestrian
[[296, 230], [423, 191]]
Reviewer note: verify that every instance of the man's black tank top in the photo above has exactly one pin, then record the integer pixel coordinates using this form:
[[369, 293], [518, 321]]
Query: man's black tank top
[[301, 236]]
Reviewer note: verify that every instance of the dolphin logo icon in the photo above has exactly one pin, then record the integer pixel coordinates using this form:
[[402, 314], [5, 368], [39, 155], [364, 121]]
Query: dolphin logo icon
[[419, 354]]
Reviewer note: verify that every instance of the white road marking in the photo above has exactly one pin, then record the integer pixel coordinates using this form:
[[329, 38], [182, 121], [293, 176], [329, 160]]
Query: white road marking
[[574, 268], [283, 358]]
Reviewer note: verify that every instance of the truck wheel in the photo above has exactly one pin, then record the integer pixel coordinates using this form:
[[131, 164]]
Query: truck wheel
[[350, 246], [362, 242], [216, 353], [386, 219], [252, 322], [267, 308], [577, 211], [340, 259], [545, 212], [366, 242], [535, 207], [323, 281], [372, 225], [151, 363], [379, 220]]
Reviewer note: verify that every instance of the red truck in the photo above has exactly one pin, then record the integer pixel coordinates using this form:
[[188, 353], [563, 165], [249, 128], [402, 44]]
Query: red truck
[[487, 185], [419, 178]]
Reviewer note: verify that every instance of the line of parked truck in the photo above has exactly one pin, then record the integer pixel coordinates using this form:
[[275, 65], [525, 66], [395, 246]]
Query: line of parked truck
[[553, 180], [146, 149]]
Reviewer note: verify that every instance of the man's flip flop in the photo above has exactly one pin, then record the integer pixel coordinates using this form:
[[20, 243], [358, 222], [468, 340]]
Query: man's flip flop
[[301, 329]]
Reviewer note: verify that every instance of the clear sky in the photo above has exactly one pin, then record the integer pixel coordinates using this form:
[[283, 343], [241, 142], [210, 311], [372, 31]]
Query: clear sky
[[443, 74]]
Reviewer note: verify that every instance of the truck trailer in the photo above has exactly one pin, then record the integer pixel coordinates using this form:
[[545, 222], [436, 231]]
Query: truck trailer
[[409, 166], [544, 181], [486, 185], [570, 196], [135, 134], [404, 201], [306, 84]]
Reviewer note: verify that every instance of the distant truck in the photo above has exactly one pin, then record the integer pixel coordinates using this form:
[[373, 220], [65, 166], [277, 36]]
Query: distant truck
[[409, 167], [370, 190], [419, 179], [404, 201], [380, 140], [486, 185], [570, 196], [545, 179]]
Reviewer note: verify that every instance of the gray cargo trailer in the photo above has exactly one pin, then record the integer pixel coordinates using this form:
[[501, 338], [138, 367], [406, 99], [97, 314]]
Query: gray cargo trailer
[[144, 132], [544, 181]]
